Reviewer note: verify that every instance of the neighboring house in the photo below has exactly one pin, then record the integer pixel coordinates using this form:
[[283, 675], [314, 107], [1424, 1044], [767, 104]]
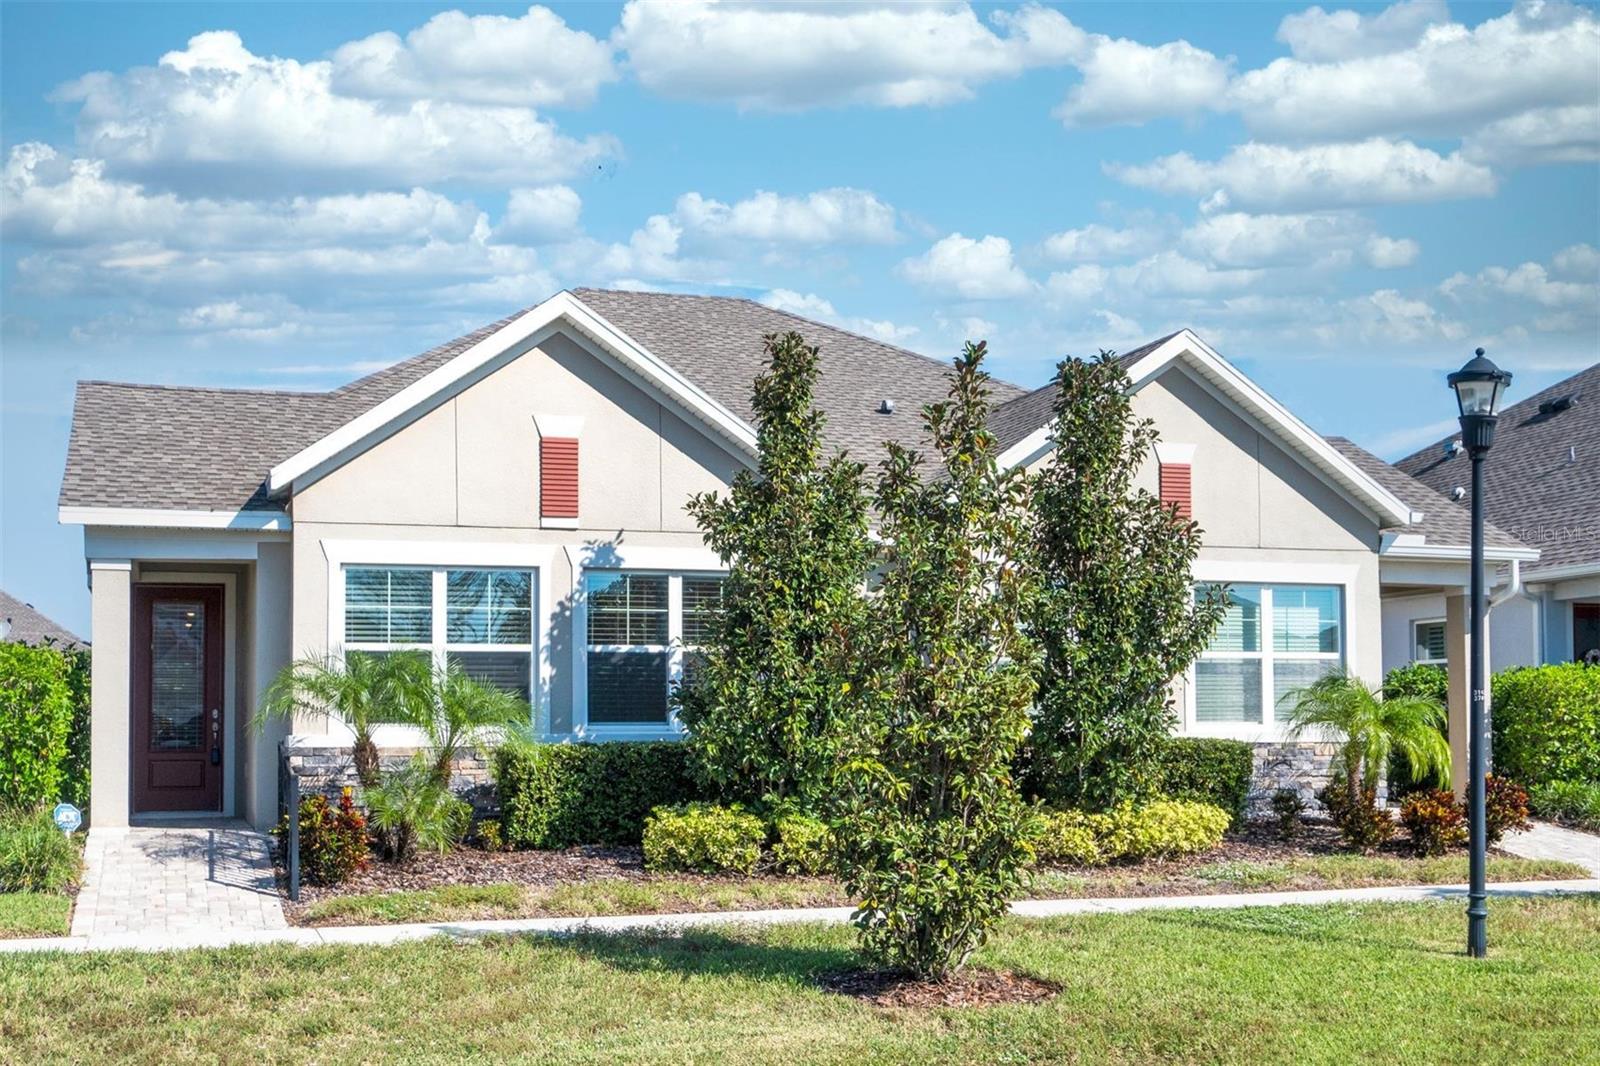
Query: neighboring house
[[20, 623], [1541, 483], [514, 501]]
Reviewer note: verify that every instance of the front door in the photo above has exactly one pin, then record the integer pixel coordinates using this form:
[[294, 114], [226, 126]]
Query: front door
[[1586, 632], [177, 698]]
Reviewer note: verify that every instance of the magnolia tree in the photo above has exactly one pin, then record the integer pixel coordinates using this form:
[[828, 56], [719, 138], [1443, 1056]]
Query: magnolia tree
[[930, 826], [770, 690], [1117, 617]]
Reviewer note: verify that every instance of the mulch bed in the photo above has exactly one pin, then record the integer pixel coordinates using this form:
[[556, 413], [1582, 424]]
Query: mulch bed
[[967, 988], [471, 866]]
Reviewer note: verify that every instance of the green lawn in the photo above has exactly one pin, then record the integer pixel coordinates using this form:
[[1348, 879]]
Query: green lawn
[[582, 899], [1336, 984], [25, 914]]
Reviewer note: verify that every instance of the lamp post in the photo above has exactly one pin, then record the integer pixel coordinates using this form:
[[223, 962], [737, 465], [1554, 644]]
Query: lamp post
[[1478, 387]]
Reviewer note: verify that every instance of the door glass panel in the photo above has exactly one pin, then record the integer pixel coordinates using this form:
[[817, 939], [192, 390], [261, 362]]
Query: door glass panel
[[177, 674]]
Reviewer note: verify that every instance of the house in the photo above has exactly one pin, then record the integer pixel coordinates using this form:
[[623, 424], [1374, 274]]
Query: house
[[1542, 483], [20, 623], [514, 501]]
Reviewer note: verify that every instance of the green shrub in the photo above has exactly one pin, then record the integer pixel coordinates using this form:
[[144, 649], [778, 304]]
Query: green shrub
[[1070, 837], [802, 844], [703, 837], [35, 719], [75, 765], [1435, 821], [1505, 807], [1207, 770], [1546, 723], [559, 795], [35, 856], [488, 835], [409, 810], [333, 839], [1574, 803], [1163, 829], [1289, 807], [1362, 823]]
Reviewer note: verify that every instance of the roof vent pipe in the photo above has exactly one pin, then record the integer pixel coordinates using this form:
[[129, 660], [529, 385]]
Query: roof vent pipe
[[886, 406], [1452, 448]]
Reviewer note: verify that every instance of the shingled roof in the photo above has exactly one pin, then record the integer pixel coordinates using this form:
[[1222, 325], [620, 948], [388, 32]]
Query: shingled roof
[[1445, 523], [1542, 479], [28, 626], [173, 448]]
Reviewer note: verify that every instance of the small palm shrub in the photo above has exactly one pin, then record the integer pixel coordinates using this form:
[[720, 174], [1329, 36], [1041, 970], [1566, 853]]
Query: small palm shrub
[[333, 839], [1288, 808], [1362, 824], [1574, 803], [1435, 821], [801, 844], [35, 856], [704, 838], [360, 690], [1505, 807], [409, 810]]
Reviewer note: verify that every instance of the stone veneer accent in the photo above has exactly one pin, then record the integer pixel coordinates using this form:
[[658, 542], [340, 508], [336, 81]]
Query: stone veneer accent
[[330, 768], [1300, 765]]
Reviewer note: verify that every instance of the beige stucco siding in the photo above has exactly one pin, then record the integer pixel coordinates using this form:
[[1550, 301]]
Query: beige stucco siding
[[473, 459], [462, 481]]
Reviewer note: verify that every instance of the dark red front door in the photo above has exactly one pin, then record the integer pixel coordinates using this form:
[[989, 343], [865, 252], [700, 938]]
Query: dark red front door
[[177, 698]]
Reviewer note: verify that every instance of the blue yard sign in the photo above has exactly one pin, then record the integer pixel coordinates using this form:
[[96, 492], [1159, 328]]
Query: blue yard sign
[[67, 817]]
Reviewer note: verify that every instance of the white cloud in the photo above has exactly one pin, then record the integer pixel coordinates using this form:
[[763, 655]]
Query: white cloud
[[217, 115], [1580, 260], [810, 305], [791, 58], [1548, 135], [543, 213], [1172, 273], [830, 216], [1128, 82], [1319, 36], [1386, 253], [1095, 242], [1529, 282], [1388, 316], [1274, 177], [1450, 82], [1081, 284], [533, 60], [1234, 238], [982, 269]]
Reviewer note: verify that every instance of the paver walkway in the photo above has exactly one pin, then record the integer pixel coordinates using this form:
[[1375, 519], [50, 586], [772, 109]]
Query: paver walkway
[[176, 883], [1546, 841]]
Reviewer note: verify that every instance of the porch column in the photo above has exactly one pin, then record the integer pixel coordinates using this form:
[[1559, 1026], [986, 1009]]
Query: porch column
[[111, 612], [1458, 664], [270, 602]]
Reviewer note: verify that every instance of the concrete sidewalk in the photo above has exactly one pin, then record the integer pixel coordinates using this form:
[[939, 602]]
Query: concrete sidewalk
[[394, 934]]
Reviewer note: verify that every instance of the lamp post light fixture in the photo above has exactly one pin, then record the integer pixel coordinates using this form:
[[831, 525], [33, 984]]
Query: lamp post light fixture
[[1478, 387]]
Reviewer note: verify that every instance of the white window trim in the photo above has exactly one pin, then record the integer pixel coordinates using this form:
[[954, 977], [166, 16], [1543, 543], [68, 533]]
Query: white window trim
[[693, 562], [1415, 622], [1271, 728], [440, 556]]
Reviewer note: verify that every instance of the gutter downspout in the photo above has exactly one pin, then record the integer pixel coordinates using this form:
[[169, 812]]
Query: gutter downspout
[[1513, 586]]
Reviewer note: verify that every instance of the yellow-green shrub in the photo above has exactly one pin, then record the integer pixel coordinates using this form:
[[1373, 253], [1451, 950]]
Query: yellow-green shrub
[[801, 844], [703, 837], [1068, 837]]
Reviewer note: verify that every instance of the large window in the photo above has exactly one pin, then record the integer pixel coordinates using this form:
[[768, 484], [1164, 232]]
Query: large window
[[1274, 639], [481, 620], [643, 629]]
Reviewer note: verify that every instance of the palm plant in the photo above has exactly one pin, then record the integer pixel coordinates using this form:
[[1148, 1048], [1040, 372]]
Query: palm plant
[[408, 808], [1373, 728], [463, 711], [359, 689]]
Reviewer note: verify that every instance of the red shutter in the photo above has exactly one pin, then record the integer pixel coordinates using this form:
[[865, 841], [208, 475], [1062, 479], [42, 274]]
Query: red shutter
[[1175, 487], [558, 477]]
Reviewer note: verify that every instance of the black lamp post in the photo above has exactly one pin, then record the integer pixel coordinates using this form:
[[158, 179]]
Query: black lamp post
[[1478, 387]]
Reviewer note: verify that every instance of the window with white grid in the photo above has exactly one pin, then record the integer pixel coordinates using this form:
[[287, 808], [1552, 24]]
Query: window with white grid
[[1273, 640], [642, 630]]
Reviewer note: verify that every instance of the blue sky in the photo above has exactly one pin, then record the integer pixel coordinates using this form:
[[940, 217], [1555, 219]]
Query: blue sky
[[1343, 201]]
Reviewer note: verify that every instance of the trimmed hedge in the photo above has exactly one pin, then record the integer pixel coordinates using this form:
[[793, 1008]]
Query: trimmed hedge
[[561, 795], [1208, 770], [1546, 723], [1156, 830], [35, 720], [703, 838]]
